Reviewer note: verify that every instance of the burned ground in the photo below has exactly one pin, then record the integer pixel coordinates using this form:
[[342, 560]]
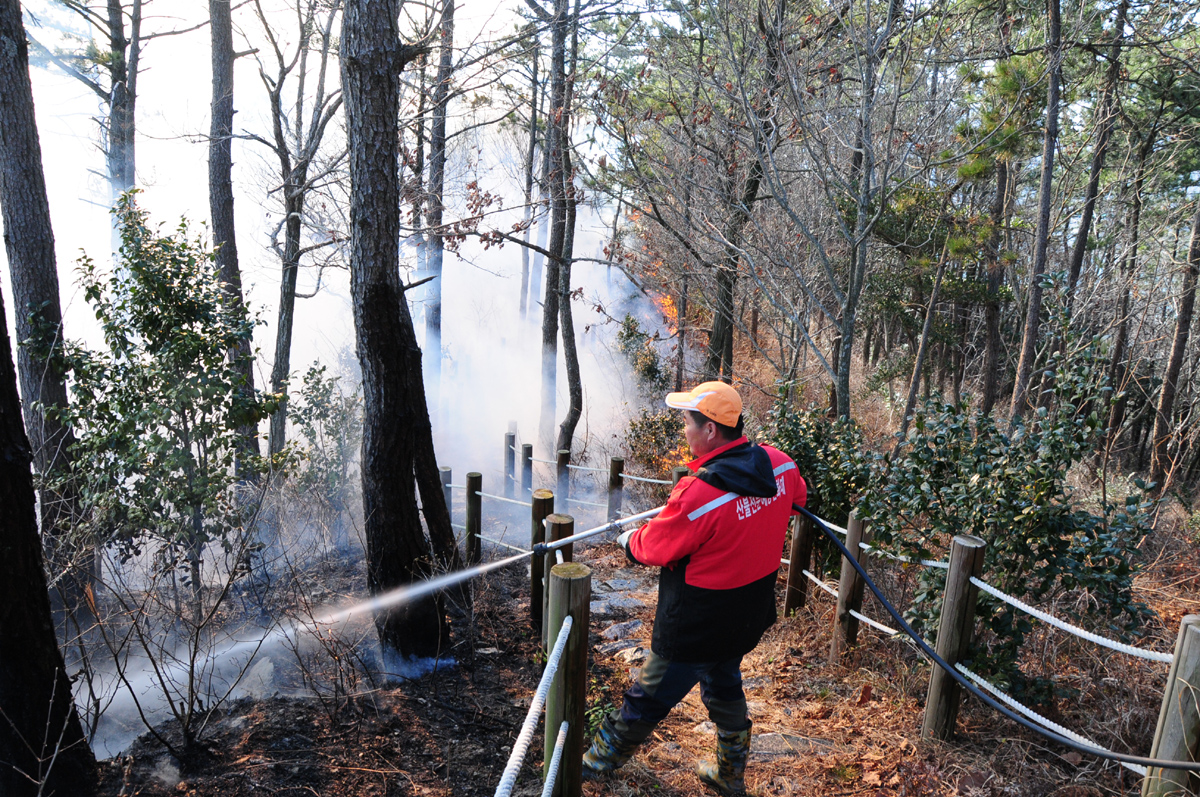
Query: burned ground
[[819, 729]]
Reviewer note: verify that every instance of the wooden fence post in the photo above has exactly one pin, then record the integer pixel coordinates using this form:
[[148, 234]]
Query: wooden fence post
[[446, 476], [1177, 737], [799, 558], [543, 506], [956, 626], [557, 527], [510, 463], [474, 550], [850, 591], [563, 486], [526, 470], [570, 595], [616, 487], [677, 473]]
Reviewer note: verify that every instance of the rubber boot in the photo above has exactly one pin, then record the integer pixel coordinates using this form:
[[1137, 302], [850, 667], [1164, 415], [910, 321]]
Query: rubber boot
[[727, 773], [609, 751]]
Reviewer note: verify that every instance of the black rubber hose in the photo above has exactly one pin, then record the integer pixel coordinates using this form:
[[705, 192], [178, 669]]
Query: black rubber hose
[[1188, 766]]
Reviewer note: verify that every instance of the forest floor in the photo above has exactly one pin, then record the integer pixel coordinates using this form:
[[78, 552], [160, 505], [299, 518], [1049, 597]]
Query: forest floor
[[819, 729]]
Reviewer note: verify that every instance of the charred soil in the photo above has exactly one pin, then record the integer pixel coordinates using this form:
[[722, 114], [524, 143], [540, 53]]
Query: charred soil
[[819, 729]]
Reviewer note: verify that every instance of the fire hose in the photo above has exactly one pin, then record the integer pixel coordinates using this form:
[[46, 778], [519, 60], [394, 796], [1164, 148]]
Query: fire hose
[[930, 653]]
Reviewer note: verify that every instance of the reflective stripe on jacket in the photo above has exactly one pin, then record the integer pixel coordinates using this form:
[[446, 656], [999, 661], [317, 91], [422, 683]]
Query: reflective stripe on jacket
[[719, 549]]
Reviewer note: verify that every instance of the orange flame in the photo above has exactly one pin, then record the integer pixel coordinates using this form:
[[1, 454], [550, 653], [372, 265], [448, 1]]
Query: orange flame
[[670, 312]]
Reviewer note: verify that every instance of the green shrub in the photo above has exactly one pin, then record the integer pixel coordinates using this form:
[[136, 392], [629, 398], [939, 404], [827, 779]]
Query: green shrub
[[831, 456], [959, 473]]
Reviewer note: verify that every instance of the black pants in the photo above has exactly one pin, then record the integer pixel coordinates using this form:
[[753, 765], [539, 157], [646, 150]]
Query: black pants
[[662, 684]]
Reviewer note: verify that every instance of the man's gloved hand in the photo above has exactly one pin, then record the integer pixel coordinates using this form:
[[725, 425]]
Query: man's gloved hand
[[623, 540]]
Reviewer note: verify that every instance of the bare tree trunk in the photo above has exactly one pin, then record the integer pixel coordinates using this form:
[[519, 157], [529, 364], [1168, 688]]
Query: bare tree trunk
[[530, 157], [718, 362], [1117, 366], [42, 746], [295, 186], [295, 142], [556, 145], [40, 727], [125, 53], [1029, 342], [919, 365], [995, 278], [394, 409], [220, 198], [566, 430], [33, 275], [1105, 115], [1160, 461], [437, 189]]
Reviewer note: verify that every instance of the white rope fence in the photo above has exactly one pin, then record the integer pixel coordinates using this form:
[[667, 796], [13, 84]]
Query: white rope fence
[[820, 583], [908, 560], [1111, 644], [521, 746], [502, 498], [582, 467], [834, 526], [876, 625], [560, 744], [645, 479], [1038, 718]]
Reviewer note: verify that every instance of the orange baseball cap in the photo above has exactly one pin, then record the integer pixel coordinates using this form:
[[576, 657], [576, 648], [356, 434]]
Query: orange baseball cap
[[715, 400]]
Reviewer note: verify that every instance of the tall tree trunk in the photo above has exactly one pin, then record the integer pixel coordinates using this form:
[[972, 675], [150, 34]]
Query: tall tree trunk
[[220, 197], [1117, 365], [125, 52], [42, 746], [394, 409], [295, 187], [995, 279], [566, 430], [437, 189], [1029, 342], [556, 146], [718, 362], [922, 349], [418, 168], [33, 275], [1160, 462], [530, 157], [1105, 114]]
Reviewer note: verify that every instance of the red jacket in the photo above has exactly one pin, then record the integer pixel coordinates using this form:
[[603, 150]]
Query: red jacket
[[719, 540]]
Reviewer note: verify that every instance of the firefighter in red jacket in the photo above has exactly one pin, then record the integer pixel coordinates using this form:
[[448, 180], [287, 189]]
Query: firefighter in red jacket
[[718, 541]]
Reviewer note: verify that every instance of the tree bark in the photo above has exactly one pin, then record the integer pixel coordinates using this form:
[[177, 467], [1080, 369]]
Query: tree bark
[[295, 186], [33, 274], [295, 143], [437, 189], [922, 349], [556, 145], [42, 747], [125, 52], [394, 411], [1160, 461], [1117, 366], [220, 198], [995, 279], [566, 430], [1105, 114], [530, 157], [1029, 342]]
